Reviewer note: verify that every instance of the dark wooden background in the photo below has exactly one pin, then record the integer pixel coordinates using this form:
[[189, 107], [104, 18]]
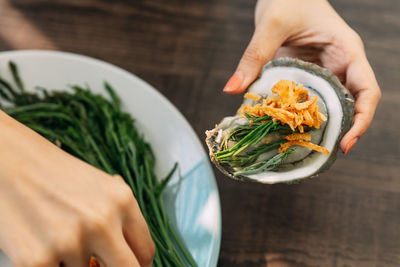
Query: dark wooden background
[[349, 216]]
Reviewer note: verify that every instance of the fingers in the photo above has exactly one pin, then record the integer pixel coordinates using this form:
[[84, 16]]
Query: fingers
[[363, 85], [106, 228], [76, 262], [135, 232], [139, 239], [75, 259], [135, 229], [113, 231], [114, 251], [266, 40]]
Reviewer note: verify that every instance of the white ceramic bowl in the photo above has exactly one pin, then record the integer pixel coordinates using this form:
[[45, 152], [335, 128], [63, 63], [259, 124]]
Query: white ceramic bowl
[[192, 202]]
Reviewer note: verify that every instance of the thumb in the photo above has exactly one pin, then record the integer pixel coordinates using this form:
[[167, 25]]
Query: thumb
[[260, 50]]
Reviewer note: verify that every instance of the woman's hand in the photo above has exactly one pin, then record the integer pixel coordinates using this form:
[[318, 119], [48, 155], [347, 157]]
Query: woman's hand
[[57, 210], [313, 31]]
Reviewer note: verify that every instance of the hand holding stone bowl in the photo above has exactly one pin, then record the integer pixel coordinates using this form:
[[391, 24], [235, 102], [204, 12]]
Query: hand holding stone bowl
[[312, 31]]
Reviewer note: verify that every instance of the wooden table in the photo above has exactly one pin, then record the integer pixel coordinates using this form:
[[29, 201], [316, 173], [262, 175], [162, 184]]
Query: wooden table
[[349, 216]]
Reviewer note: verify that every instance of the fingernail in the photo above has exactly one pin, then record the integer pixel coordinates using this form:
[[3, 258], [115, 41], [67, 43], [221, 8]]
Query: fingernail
[[234, 83], [350, 145]]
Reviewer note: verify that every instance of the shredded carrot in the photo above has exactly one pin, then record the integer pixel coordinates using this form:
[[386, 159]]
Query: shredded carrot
[[287, 145], [290, 104], [252, 96], [299, 137], [306, 104]]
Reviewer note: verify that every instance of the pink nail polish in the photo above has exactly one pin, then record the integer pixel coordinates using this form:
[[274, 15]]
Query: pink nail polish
[[234, 83], [350, 145]]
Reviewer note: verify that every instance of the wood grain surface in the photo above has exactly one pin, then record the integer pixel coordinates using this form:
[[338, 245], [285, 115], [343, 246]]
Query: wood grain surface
[[349, 216]]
